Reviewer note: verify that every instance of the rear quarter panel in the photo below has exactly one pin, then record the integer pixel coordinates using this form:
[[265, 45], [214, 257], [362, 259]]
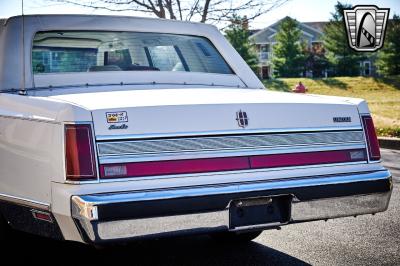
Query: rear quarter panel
[[32, 145], [30, 156]]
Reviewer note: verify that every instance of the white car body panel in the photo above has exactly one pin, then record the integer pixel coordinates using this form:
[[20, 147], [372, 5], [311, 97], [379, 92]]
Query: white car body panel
[[29, 155]]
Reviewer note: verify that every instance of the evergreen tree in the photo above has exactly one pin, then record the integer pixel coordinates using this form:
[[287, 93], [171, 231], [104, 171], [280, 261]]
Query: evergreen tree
[[315, 60], [288, 60], [238, 35], [389, 57], [344, 60]]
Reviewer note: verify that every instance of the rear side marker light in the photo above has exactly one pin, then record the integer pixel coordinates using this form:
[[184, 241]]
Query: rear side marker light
[[43, 216], [79, 153], [372, 140]]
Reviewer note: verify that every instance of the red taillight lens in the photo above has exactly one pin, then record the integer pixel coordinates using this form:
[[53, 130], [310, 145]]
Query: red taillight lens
[[188, 166], [174, 167], [307, 158], [79, 155], [372, 139]]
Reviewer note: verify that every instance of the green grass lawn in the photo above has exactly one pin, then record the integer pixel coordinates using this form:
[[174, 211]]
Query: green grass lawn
[[382, 95]]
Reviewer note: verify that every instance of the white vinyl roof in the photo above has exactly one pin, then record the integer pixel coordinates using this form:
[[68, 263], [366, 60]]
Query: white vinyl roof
[[15, 58]]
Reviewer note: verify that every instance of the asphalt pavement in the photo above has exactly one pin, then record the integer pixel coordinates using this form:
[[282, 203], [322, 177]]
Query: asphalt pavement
[[365, 240]]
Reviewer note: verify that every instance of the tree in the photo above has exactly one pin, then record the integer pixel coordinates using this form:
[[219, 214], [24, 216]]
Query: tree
[[315, 60], [342, 58], [212, 11], [238, 34], [389, 57], [288, 58]]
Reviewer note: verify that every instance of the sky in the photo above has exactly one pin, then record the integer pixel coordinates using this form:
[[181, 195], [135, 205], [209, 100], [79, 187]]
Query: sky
[[302, 10]]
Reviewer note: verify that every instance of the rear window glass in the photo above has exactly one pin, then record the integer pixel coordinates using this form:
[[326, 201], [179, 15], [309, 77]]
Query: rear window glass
[[86, 51]]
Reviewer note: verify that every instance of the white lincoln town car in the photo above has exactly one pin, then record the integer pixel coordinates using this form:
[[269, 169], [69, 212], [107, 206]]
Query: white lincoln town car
[[120, 128]]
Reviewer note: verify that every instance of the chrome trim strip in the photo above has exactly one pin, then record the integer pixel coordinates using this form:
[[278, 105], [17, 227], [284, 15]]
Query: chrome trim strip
[[224, 132], [246, 142], [25, 202], [110, 198], [30, 119]]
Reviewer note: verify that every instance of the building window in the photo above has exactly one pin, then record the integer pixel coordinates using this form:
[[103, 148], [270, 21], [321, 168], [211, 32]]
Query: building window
[[366, 68], [264, 53], [264, 48]]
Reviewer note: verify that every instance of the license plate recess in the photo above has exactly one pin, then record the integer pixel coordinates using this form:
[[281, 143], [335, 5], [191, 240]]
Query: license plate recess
[[261, 211]]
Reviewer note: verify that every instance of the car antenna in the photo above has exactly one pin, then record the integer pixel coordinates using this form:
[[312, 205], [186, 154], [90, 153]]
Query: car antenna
[[23, 89]]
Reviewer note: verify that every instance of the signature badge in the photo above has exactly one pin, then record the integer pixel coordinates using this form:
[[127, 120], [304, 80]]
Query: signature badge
[[117, 117], [342, 119], [123, 126], [366, 26]]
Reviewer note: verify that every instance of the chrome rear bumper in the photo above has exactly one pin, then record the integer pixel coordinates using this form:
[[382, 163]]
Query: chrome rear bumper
[[122, 216]]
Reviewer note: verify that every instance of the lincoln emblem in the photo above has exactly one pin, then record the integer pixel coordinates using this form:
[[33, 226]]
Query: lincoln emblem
[[242, 119]]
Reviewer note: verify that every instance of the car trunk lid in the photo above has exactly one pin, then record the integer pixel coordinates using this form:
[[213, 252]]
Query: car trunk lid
[[203, 111]]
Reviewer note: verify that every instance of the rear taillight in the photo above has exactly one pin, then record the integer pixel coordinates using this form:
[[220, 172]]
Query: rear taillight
[[372, 139], [190, 166], [79, 153], [174, 167]]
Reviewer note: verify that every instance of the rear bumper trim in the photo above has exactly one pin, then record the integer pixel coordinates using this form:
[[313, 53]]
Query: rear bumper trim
[[121, 216]]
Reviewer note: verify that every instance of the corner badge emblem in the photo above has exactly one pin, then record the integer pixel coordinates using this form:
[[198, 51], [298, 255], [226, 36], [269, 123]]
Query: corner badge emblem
[[242, 119], [117, 117], [366, 26]]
